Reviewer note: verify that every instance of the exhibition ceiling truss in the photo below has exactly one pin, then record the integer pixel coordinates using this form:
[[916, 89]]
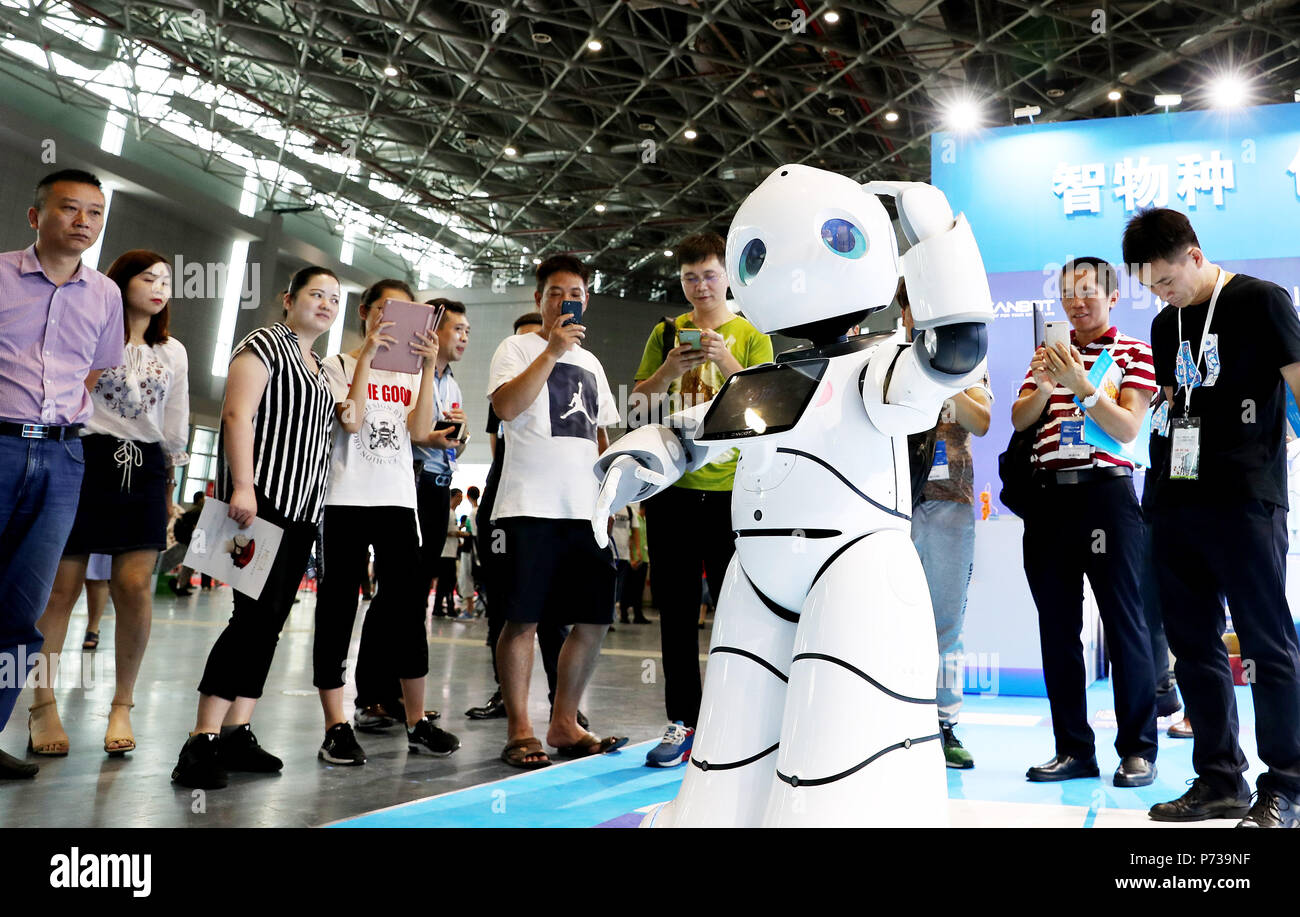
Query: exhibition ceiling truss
[[477, 135]]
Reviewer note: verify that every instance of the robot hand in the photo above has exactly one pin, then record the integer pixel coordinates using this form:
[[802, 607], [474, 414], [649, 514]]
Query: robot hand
[[624, 480]]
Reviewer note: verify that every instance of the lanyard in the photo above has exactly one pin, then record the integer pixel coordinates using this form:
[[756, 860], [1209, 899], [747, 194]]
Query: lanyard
[[1205, 335]]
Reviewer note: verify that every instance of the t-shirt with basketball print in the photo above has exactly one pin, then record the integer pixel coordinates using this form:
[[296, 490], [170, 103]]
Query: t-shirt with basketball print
[[1133, 357], [372, 467], [550, 447]]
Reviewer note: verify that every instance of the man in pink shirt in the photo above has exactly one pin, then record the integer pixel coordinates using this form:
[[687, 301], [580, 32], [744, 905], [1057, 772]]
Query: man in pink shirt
[[60, 326]]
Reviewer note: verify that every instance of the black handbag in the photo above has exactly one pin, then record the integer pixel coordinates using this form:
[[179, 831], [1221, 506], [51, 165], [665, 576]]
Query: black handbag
[[920, 455], [1016, 469]]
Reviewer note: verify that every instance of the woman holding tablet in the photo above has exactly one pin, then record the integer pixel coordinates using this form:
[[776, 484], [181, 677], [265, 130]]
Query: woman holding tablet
[[273, 462], [371, 501]]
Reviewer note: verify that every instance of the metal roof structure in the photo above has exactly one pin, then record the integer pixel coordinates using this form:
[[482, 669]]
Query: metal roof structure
[[474, 136]]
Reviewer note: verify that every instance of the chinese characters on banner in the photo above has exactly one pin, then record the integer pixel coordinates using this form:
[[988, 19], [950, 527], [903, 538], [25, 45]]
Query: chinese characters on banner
[[1142, 183]]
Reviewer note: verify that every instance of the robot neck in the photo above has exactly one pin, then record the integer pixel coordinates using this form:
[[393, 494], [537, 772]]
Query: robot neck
[[828, 330], [845, 346]]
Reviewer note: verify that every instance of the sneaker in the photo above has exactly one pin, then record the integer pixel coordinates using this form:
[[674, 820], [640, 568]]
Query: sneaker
[[199, 766], [374, 718], [954, 753], [437, 742], [493, 709], [340, 746], [674, 748], [240, 752], [1272, 810], [1200, 803]]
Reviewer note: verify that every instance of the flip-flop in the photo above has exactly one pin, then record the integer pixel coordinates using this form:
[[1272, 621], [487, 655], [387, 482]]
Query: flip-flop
[[592, 746], [515, 754], [90, 641]]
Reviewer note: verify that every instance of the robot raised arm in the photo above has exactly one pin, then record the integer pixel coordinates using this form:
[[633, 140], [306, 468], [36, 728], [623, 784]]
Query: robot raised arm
[[648, 460], [948, 292]]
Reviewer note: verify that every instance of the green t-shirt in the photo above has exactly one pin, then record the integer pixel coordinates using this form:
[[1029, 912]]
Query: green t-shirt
[[748, 345]]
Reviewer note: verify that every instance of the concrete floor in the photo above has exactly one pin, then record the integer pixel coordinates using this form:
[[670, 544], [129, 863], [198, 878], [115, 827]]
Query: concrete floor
[[89, 789]]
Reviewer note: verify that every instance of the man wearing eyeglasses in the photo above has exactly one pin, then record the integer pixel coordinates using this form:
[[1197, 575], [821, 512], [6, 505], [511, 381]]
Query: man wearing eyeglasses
[[686, 362]]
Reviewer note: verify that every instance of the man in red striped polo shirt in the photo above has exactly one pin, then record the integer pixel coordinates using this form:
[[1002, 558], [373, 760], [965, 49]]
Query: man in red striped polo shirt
[[1088, 522]]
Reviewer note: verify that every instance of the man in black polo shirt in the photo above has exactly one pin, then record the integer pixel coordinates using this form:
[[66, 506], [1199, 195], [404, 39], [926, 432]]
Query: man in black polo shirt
[[1222, 355]]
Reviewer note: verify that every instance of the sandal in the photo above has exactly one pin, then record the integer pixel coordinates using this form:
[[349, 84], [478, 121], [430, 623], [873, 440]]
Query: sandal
[[592, 745], [117, 746], [53, 741], [516, 754], [90, 641]]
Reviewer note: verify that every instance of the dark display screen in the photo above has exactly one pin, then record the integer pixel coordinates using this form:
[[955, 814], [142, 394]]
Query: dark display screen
[[766, 399]]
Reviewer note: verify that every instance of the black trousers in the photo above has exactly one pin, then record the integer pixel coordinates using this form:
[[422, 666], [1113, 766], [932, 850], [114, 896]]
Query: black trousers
[[1205, 554], [692, 534], [550, 636], [397, 611], [632, 595], [444, 602], [1160, 667], [241, 658], [1093, 529]]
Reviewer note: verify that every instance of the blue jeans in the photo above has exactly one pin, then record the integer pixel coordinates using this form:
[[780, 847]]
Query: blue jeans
[[40, 484], [944, 535]]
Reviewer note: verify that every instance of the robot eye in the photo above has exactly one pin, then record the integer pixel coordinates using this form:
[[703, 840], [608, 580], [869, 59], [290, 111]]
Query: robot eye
[[843, 238], [751, 260]]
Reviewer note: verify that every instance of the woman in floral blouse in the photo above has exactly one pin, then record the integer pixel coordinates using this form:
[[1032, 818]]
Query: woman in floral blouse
[[136, 436]]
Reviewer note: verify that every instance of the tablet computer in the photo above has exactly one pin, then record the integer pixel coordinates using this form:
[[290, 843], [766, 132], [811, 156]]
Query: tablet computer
[[408, 318]]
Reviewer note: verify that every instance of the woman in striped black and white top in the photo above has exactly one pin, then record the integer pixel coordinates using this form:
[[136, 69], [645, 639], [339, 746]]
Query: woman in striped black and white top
[[274, 459]]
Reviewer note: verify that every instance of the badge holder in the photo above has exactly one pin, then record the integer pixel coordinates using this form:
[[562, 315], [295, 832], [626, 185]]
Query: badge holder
[[1185, 448]]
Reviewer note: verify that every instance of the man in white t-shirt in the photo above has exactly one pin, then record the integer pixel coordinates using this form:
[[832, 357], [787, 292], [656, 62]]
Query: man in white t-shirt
[[554, 400]]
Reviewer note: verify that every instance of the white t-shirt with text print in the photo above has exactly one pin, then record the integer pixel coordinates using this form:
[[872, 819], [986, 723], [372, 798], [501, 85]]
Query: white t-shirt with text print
[[551, 446], [372, 467]]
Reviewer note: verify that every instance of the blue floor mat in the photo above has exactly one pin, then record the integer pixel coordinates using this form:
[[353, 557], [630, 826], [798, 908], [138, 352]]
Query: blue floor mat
[[606, 790]]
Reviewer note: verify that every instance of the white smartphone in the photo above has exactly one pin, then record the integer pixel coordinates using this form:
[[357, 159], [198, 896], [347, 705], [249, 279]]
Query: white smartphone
[[1056, 332]]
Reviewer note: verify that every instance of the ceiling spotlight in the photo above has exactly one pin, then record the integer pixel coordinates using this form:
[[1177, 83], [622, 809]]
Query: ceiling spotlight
[[646, 124], [600, 208], [537, 261], [390, 70], [962, 115], [891, 116], [668, 252], [1168, 100], [1229, 91], [831, 16], [782, 24], [690, 133], [338, 226], [1114, 95], [541, 38], [594, 45], [835, 111], [510, 151]]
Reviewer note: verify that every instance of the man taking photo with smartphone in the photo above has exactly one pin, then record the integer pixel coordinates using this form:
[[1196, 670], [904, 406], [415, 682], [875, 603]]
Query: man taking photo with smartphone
[[688, 361], [1086, 521]]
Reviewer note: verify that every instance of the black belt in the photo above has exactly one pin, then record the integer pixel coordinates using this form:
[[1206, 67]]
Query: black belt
[[40, 430], [1083, 476], [440, 480]]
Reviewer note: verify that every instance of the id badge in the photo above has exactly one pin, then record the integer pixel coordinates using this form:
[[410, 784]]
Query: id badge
[[1072, 445], [939, 470], [1185, 448]]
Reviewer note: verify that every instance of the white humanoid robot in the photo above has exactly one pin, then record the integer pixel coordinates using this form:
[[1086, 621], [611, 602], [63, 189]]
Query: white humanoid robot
[[819, 701]]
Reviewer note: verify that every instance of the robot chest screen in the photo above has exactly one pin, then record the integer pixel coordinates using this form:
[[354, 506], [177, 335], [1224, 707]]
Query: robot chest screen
[[763, 400]]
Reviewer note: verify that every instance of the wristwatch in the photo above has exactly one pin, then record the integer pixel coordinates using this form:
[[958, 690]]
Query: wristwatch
[[1091, 401]]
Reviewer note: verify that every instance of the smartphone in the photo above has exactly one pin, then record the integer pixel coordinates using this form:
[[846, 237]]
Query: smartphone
[[457, 428], [573, 309], [408, 318], [1056, 332], [690, 336]]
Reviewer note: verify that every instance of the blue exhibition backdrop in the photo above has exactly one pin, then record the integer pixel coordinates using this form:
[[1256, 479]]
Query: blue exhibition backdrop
[[1037, 195]]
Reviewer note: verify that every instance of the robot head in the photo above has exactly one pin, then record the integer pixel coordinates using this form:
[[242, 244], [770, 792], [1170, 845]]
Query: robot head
[[809, 246]]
